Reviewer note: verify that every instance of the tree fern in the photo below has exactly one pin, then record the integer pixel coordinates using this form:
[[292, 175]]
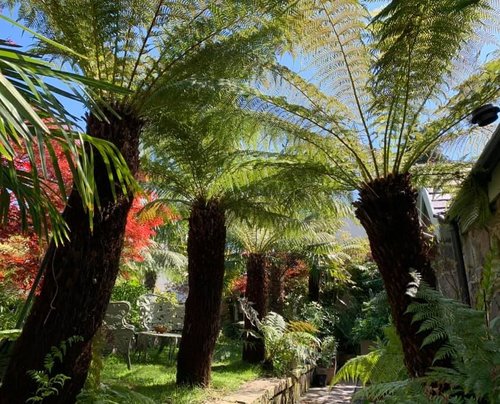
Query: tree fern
[[383, 118], [383, 364], [166, 52], [159, 257], [407, 102], [473, 346]]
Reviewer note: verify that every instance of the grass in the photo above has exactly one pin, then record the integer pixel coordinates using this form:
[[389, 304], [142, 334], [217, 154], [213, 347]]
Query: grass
[[155, 378]]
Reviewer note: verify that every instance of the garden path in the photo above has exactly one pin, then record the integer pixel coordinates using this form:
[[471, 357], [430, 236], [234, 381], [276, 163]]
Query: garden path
[[341, 393]]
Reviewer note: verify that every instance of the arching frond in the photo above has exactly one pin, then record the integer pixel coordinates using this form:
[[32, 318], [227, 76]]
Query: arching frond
[[38, 134], [142, 45], [382, 365], [471, 205], [399, 69]]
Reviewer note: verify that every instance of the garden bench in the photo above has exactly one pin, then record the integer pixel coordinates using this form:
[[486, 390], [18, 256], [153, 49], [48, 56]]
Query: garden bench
[[117, 332], [162, 323]]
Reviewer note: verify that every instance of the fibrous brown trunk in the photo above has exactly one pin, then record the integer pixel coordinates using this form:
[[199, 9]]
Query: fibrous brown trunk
[[277, 286], [256, 293], [79, 276], [314, 282], [387, 210], [206, 246]]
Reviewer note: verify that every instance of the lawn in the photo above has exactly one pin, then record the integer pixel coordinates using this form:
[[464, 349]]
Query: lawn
[[154, 377]]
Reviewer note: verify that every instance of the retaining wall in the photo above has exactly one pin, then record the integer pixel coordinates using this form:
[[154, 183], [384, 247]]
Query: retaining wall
[[272, 391]]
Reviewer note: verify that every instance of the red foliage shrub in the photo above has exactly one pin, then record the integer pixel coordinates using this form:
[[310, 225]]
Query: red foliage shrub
[[239, 285]]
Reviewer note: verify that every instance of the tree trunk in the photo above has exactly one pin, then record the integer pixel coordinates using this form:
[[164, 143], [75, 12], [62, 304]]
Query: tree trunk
[[277, 285], [206, 246], [314, 283], [80, 275], [387, 210], [256, 293]]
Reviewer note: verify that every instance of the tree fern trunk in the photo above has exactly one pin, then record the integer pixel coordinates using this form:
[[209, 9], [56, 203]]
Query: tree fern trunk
[[387, 210], [206, 246], [79, 278], [314, 282], [277, 286], [256, 293]]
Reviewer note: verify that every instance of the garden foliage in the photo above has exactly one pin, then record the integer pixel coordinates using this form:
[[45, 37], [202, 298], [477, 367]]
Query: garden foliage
[[287, 345], [473, 346]]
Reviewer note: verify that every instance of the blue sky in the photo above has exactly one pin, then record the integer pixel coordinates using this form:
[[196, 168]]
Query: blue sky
[[25, 39]]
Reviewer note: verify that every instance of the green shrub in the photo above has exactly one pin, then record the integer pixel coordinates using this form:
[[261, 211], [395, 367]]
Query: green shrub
[[375, 316], [302, 326], [327, 352], [167, 297], [473, 345], [286, 349], [321, 317], [10, 301], [313, 313], [130, 291], [294, 300]]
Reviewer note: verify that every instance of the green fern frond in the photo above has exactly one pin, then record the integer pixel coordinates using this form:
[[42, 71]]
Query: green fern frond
[[471, 206], [468, 342], [302, 326], [382, 391], [359, 368]]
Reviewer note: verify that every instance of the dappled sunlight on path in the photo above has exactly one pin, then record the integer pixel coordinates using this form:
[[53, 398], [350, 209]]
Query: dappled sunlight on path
[[341, 393]]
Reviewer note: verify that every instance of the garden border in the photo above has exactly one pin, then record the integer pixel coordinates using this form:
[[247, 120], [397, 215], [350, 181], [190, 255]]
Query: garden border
[[272, 390]]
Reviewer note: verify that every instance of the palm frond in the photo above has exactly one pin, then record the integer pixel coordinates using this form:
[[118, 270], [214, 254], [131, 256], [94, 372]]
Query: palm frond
[[33, 124]]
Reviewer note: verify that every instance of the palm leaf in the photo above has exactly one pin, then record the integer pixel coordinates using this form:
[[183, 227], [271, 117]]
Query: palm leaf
[[33, 122]]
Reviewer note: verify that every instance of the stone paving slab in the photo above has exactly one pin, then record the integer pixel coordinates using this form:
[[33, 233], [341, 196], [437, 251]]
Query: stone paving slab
[[341, 393], [255, 392]]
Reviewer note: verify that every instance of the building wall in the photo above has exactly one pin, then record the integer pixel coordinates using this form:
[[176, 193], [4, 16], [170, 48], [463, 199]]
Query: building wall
[[447, 266], [478, 245]]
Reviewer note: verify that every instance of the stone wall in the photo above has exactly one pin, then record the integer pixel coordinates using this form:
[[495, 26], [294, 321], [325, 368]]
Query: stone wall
[[476, 244], [273, 391], [446, 265]]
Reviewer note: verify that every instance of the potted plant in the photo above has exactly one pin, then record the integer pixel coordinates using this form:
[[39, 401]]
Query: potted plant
[[326, 364]]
